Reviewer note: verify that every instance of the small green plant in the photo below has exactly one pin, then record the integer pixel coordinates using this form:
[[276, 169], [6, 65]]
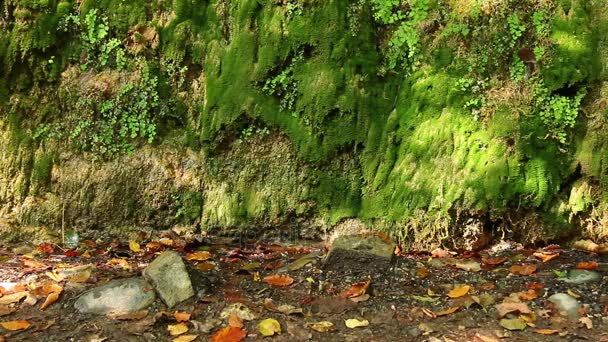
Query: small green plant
[[558, 112], [248, 132], [99, 46], [189, 206], [284, 85], [516, 29], [294, 8]]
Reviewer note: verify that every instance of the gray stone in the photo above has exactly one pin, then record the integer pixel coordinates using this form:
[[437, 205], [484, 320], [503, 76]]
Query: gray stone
[[581, 277], [117, 296], [364, 253], [170, 278], [567, 304]]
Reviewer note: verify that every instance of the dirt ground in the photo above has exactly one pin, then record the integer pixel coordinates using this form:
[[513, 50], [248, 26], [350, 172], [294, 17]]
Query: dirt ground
[[500, 293]]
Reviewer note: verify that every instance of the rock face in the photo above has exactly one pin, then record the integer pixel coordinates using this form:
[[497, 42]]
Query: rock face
[[567, 304], [170, 278], [363, 253], [117, 296]]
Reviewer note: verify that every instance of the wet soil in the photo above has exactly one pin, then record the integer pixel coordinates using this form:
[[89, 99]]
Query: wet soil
[[409, 301]]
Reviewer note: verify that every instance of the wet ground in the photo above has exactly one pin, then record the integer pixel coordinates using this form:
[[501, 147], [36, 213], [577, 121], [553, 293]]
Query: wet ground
[[501, 293]]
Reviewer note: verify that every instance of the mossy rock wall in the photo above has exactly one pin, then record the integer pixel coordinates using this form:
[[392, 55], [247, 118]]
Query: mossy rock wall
[[432, 120]]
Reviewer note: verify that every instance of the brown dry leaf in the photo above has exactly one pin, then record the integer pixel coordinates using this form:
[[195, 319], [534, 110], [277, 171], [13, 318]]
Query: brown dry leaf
[[182, 316], [6, 310], [422, 272], [13, 297], [586, 245], [545, 256], [198, 256], [525, 269], [505, 308], [591, 265], [270, 305], [447, 312], [133, 316], [359, 299], [177, 329], [485, 338], [494, 261], [229, 334], [459, 291], [15, 325], [119, 262], [185, 338], [546, 331], [235, 321], [205, 266], [33, 263], [587, 322], [441, 253], [356, 290], [278, 280], [528, 295], [50, 299]]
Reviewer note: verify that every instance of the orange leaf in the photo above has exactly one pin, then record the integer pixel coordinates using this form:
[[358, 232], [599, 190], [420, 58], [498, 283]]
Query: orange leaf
[[546, 256], [356, 290], [154, 246], [182, 316], [166, 242], [422, 272], [205, 266], [535, 286], [528, 295], [278, 280], [546, 331], [50, 299], [33, 263], [235, 321], [459, 291], [441, 253], [587, 265], [198, 256], [494, 261], [525, 269], [229, 334], [15, 325], [447, 312]]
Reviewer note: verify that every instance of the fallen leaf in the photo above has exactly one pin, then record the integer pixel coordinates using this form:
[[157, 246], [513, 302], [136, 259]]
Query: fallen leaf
[[284, 309], [15, 325], [153, 246], [484, 300], [182, 316], [513, 324], [6, 310], [359, 299], [185, 338], [591, 265], [546, 331], [324, 326], [238, 309], [525, 269], [166, 242], [198, 256], [545, 256], [468, 265], [587, 322], [13, 297], [269, 327], [205, 266], [422, 272], [505, 308], [586, 245], [459, 291], [355, 323], [45, 248], [529, 318], [134, 246], [447, 312], [355, 290], [303, 261], [278, 280], [441, 253], [228, 334], [535, 286], [573, 294], [528, 295], [50, 299], [485, 338], [235, 321], [119, 262], [177, 329], [494, 261], [33, 263]]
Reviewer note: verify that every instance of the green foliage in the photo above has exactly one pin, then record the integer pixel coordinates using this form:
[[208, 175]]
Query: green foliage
[[558, 112], [516, 28], [189, 206], [285, 86]]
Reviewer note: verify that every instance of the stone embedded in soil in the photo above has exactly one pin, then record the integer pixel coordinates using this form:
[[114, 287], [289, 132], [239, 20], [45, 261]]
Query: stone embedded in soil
[[581, 277], [363, 253], [117, 296], [170, 278], [566, 303]]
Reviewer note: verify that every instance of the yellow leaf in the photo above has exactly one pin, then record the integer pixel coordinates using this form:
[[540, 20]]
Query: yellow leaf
[[198, 256], [323, 326], [56, 277], [50, 299], [546, 331], [134, 246], [355, 323], [269, 327], [15, 325], [185, 338], [459, 291], [177, 329]]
